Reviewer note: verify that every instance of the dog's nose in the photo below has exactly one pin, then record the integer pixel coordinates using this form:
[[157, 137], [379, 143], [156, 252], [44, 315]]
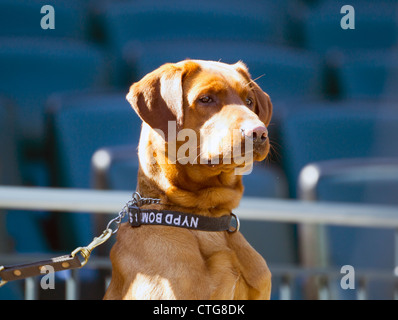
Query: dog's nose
[[258, 134]]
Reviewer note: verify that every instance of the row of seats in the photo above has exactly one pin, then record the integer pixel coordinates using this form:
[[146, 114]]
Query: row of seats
[[33, 69], [136, 40], [351, 129], [360, 132], [375, 26], [311, 24], [22, 18]]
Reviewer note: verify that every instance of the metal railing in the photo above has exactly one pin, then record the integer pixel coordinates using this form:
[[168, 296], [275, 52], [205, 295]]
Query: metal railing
[[289, 211]]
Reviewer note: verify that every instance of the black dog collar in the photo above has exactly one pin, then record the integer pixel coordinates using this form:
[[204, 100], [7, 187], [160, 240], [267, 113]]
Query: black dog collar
[[138, 216]]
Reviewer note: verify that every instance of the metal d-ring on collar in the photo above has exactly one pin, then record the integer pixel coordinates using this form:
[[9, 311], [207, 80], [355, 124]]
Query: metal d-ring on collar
[[237, 224]]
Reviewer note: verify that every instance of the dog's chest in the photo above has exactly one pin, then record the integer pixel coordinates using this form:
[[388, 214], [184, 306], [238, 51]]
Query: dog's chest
[[235, 274]]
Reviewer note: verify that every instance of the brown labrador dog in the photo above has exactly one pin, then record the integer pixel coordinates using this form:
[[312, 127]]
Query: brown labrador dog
[[213, 100]]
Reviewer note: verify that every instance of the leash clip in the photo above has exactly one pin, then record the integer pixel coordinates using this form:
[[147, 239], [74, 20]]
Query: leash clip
[[86, 251]]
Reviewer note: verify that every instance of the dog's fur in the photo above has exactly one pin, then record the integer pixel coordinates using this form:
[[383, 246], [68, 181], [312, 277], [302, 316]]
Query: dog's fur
[[161, 262]]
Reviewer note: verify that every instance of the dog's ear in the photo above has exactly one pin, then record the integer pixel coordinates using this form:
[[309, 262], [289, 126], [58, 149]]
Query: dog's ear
[[157, 98], [263, 106]]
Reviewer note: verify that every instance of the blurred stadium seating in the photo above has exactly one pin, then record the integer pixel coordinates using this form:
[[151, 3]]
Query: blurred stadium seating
[[368, 76], [126, 21], [32, 69], [79, 124], [282, 70], [63, 96], [22, 18], [19, 226], [9, 173], [363, 180], [375, 26], [343, 132]]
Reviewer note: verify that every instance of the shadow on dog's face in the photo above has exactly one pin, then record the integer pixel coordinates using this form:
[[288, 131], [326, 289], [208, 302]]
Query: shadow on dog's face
[[211, 113]]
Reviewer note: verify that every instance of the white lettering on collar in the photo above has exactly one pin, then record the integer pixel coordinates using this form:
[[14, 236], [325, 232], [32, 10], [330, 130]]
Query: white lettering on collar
[[168, 219]]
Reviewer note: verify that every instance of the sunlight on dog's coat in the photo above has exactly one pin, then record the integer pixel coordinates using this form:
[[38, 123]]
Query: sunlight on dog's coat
[[223, 108]]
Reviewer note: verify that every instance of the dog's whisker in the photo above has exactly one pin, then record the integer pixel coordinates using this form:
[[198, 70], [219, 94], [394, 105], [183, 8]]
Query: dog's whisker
[[253, 80]]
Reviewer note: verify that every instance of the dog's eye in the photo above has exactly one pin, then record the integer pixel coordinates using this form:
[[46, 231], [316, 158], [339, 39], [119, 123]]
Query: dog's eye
[[249, 102], [206, 99]]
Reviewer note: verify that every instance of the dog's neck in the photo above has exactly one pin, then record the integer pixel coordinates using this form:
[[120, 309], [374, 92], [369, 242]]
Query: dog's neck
[[198, 188]]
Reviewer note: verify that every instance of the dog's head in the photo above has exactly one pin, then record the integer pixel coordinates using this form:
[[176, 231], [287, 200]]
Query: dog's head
[[216, 106]]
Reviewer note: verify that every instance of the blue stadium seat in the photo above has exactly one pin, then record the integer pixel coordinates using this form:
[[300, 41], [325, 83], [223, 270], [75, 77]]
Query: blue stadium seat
[[376, 26], [32, 69], [9, 170], [336, 131], [281, 71], [322, 134], [115, 167], [23, 230], [205, 20], [265, 181], [124, 23], [366, 181], [23, 17], [123, 176], [371, 74], [80, 124]]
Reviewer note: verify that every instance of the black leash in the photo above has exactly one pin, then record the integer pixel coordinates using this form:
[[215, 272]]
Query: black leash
[[137, 217]]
